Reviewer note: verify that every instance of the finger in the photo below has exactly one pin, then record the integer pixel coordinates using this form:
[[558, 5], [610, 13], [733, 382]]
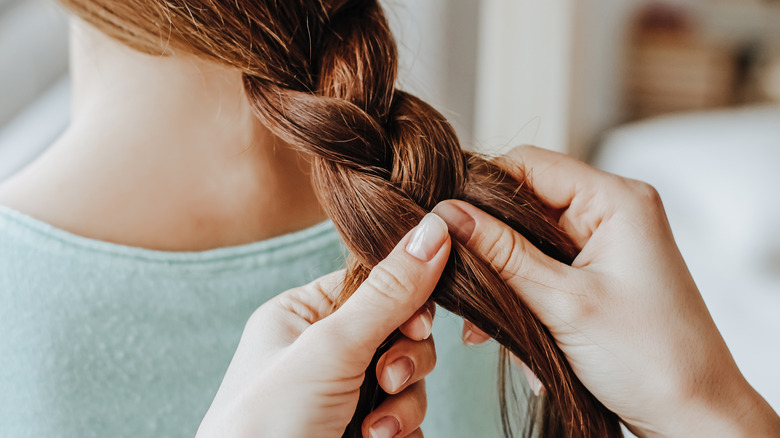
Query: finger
[[582, 196], [419, 326], [533, 382], [472, 335], [405, 363], [578, 194], [416, 434], [314, 301], [538, 278], [394, 290], [555, 177], [398, 415]]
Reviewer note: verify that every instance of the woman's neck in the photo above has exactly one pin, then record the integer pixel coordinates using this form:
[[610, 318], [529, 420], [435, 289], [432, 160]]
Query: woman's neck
[[164, 153], [181, 101]]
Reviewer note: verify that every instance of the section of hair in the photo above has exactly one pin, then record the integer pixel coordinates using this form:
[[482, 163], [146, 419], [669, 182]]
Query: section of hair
[[321, 75]]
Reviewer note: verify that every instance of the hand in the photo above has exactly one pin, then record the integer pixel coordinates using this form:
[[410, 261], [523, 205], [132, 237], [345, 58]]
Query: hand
[[299, 365], [626, 313]]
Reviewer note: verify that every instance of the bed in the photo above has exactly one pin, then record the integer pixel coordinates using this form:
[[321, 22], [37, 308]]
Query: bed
[[718, 174]]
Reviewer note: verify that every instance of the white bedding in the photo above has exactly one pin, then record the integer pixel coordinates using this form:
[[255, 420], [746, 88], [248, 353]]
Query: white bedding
[[718, 174]]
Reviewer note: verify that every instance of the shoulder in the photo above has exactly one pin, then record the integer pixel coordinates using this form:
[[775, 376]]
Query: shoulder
[[77, 202], [36, 195]]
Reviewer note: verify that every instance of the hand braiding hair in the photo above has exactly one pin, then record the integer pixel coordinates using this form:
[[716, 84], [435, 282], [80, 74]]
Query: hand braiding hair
[[321, 75]]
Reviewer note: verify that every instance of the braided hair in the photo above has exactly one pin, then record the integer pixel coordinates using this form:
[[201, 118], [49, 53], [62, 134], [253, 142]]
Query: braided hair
[[321, 75]]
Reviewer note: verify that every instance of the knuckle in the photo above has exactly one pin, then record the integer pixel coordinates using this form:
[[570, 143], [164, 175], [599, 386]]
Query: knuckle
[[519, 150], [522, 149], [518, 153], [387, 283], [261, 318], [582, 306], [256, 319], [586, 308], [646, 195], [516, 261], [505, 252]]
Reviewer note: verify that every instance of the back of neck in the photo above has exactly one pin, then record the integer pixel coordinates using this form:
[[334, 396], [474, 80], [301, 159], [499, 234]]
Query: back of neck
[[163, 153]]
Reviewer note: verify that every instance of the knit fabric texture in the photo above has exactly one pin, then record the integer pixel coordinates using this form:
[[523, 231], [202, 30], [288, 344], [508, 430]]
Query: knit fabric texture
[[99, 339]]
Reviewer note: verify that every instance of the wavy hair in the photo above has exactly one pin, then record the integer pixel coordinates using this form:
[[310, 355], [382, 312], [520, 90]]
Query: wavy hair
[[321, 75]]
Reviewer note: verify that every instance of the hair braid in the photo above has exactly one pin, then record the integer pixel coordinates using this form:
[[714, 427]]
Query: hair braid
[[380, 152], [321, 75]]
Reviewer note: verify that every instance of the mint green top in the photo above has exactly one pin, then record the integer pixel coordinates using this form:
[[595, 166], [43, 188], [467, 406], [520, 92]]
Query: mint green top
[[99, 339]]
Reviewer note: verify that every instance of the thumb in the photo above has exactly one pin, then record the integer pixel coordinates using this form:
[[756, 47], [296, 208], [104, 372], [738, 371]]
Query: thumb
[[394, 290], [529, 272]]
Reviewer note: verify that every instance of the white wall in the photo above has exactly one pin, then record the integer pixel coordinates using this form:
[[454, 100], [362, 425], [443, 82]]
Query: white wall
[[523, 64], [437, 42], [498, 69], [34, 101], [33, 52], [599, 39], [599, 44]]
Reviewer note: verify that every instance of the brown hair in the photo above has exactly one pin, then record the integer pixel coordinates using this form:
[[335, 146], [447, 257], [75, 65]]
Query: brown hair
[[321, 75]]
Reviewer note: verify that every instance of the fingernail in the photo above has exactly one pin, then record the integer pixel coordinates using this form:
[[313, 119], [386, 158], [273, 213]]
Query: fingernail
[[533, 382], [398, 373], [467, 336], [386, 427], [460, 223], [428, 238], [426, 319]]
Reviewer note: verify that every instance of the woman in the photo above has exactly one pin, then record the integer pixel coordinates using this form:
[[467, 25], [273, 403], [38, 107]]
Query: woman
[[186, 153], [135, 249]]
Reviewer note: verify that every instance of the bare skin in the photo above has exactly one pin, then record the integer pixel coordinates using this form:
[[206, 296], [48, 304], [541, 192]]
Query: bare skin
[[163, 153]]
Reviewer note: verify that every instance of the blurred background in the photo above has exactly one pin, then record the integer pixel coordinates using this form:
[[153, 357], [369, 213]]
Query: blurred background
[[681, 94]]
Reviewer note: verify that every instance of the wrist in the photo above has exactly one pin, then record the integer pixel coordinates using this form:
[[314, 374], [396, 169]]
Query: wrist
[[737, 412]]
